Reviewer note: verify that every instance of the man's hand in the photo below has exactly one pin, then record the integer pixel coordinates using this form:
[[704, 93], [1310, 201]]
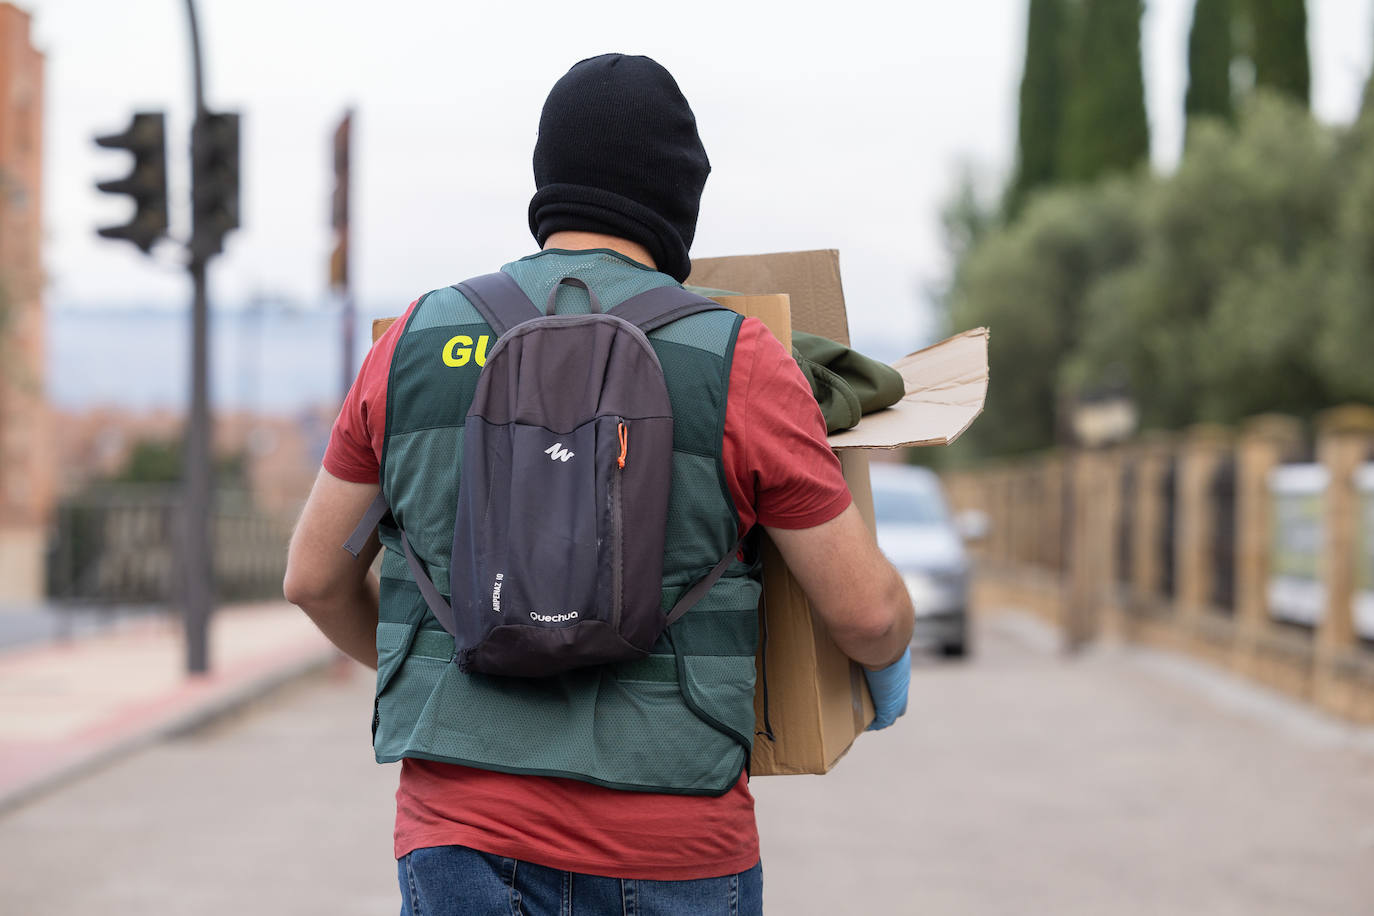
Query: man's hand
[[889, 689], [336, 589]]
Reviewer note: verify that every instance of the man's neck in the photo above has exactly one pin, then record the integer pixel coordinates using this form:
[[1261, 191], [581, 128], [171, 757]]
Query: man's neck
[[581, 241]]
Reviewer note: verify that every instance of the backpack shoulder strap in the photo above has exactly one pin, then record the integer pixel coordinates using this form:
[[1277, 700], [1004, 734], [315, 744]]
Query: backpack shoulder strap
[[500, 300], [379, 510], [702, 586], [441, 609], [367, 524], [662, 305]]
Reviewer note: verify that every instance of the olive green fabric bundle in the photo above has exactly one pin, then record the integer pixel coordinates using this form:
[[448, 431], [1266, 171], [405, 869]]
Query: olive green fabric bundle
[[846, 383]]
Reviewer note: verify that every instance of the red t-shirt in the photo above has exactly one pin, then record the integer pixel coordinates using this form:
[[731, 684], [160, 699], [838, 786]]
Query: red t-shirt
[[781, 473]]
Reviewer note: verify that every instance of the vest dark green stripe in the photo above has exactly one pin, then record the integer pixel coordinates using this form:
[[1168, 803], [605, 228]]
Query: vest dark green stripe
[[679, 721]]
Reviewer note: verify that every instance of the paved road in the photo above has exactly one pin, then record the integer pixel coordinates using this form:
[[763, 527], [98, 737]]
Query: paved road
[[1125, 783]]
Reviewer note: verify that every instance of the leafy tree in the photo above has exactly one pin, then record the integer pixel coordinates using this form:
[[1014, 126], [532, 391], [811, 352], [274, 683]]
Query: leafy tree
[[160, 461], [1346, 322], [967, 217], [1243, 283], [1105, 129], [1280, 46], [1029, 282], [1042, 92], [1367, 96], [1220, 317], [1209, 61]]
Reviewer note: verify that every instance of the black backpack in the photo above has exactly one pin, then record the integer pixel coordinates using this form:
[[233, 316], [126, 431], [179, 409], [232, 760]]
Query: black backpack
[[558, 539]]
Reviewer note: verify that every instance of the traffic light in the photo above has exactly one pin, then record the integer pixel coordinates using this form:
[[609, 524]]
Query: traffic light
[[214, 181], [146, 184]]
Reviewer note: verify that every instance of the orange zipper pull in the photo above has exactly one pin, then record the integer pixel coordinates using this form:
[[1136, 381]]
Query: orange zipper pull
[[624, 444]]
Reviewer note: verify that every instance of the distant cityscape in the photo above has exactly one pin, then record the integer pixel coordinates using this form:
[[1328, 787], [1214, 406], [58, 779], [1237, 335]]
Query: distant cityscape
[[271, 361], [263, 360]]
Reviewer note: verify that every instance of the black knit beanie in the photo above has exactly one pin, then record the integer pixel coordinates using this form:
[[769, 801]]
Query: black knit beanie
[[618, 153]]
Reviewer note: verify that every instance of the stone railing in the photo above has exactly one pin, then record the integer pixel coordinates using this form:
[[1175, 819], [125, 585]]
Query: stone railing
[[1251, 548]]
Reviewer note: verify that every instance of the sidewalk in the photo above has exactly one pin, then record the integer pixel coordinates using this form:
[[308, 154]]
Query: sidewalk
[[68, 706]]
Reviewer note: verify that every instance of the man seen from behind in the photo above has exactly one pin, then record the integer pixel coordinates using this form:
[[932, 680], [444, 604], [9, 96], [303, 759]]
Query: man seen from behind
[[624, 790]]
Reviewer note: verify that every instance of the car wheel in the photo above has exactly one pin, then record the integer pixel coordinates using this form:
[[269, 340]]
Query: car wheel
[[958, 647], [954, 649]]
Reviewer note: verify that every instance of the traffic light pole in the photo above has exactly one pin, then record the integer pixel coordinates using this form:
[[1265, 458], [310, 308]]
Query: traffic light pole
[[214, 213], [197, 593], [197, 570]]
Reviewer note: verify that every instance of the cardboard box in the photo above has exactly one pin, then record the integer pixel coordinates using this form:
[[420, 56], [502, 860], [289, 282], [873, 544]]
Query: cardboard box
[[817, 701]]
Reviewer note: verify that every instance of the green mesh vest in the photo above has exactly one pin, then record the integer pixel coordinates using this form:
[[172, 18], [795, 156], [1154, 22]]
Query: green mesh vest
[[680, 721]]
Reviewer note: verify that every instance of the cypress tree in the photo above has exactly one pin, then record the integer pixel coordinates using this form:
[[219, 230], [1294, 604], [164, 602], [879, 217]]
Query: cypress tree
[[1209, 61], [1280, 55], [1105, 128], [1040, 116], [1367, 96]]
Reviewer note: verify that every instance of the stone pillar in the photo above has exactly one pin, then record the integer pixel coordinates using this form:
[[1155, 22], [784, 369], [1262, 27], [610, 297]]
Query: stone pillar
[[1016, 515], [966, 491], [1345, 436], [1152, 457], [1006, 495], [1072, 611], [1111, 588], [1113, 479], [1203, 448], [997, 512], [1089, 560], [1265, 441], [1024, 494], [1051, 547]]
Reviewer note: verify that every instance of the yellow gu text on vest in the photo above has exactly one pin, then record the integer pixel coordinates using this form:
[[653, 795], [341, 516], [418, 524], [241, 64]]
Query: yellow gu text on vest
[[459, 350]]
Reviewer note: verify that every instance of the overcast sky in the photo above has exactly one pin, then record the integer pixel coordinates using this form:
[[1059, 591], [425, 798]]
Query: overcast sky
[[835, 125]]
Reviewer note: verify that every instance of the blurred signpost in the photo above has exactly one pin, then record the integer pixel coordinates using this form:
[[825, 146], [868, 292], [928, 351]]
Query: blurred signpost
[[1364, 556], [338, 257], [1296, 593], [214, 212]]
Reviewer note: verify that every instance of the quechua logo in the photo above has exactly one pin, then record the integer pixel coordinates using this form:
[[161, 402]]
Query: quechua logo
[[557, 452]]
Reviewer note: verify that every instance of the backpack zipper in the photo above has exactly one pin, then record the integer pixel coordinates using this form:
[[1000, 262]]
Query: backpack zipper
[[617, 526]]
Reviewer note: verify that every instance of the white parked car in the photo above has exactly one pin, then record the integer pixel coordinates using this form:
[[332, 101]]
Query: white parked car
[[918, 535]]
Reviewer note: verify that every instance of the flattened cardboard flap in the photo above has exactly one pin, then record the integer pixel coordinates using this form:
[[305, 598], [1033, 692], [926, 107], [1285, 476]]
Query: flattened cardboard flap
[[946, 384]]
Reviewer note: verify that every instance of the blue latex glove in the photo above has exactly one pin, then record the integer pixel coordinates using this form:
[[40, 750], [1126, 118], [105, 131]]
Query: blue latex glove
[[889, 686]]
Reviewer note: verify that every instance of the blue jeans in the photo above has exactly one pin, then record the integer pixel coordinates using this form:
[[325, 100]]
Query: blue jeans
[[457, 881]]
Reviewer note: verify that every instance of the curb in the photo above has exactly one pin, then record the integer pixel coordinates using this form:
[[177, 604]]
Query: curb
[[212, 707]]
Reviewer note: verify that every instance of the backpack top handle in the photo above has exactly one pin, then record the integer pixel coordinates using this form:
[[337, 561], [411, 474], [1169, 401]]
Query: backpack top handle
[[551, 306]]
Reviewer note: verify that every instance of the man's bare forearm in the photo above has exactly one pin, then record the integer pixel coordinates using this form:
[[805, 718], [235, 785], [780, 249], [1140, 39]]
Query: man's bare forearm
[[334, 587], [349, 620]]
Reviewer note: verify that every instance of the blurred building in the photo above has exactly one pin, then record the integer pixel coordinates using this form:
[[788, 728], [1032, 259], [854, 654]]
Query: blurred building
[[26, 468], [280, 455]]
